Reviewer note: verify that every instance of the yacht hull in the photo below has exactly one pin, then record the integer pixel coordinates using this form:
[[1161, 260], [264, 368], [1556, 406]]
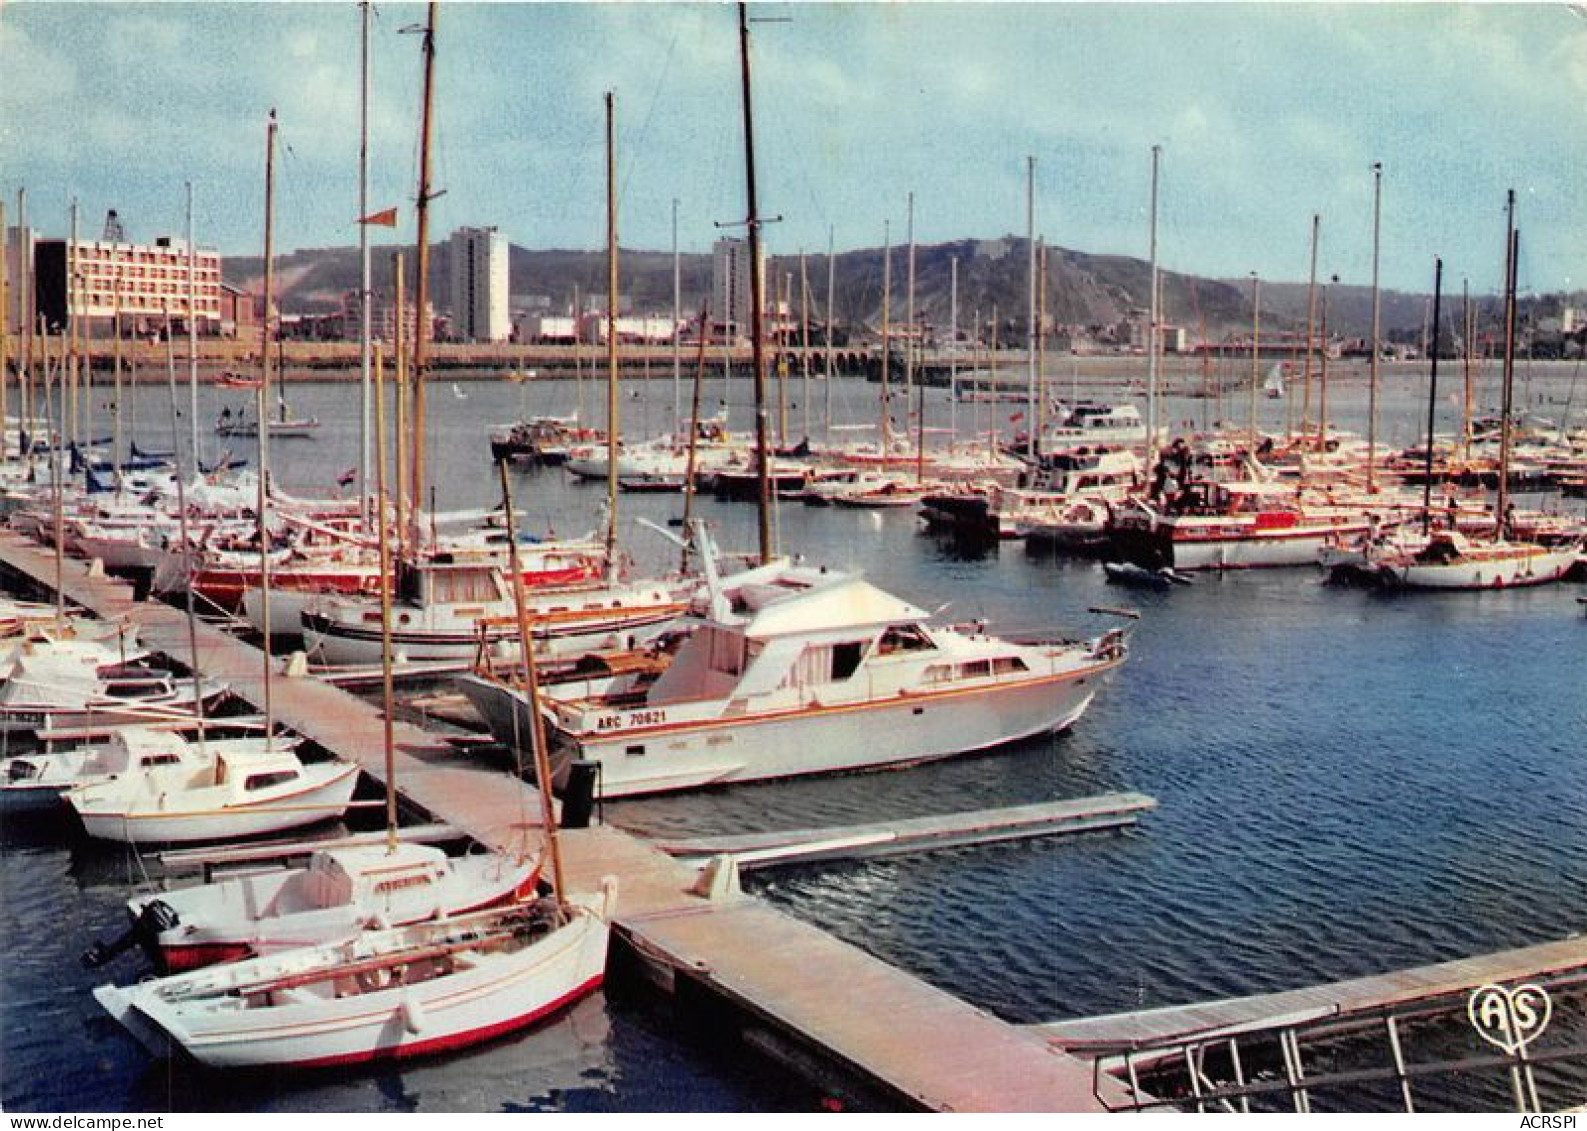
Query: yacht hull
[[812, 739]]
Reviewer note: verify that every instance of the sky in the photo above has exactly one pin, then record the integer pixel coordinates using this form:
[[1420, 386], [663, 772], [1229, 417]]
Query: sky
[[1265, 114]]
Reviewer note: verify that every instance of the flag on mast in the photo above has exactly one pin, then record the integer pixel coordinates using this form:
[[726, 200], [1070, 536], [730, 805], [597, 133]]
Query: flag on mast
[[383, 219]]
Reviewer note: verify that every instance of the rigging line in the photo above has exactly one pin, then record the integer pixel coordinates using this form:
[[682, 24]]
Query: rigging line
[[636, 145]]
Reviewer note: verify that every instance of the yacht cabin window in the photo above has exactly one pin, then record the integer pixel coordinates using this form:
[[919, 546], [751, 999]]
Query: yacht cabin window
[[903, 638]]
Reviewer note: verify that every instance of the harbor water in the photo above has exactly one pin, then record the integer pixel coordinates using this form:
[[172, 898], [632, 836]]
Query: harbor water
[[1349, 781]]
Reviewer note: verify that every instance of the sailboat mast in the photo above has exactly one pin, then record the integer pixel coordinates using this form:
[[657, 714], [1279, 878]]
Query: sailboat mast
[[531, 682], [756, 298], [677, 315], [1466, 333], [181, 507], [910, 400], [1030, 324], [192, 336], [1311, 319], [365, 268], [421, 336], [1256, 356], [832, 279], [611, 334], [1512, 248], [887, 334], [262, 416], [1377, 327], [804, 340], [1432, 398], [1152, 331], [68, 407], [387, 689], [1322, 406], [953, 348]]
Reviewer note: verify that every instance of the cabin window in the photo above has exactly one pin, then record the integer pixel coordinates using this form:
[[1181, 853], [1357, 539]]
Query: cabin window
[[1008, 665], [254, 782], [634, 751], [939, 673], [465, 585], [903, 638], [158, 760], [727, 653], [846, 659], [976, 669]]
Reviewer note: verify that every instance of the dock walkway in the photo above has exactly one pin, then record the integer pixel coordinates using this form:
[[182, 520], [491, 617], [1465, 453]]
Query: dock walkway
[[830, 1001], [1121, 1032]]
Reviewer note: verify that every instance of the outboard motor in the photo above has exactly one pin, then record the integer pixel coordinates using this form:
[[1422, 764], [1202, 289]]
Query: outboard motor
[[578, 798], [156, 918]]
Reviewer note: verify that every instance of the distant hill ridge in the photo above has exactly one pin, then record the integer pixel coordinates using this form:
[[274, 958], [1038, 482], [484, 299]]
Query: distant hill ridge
[[1082, 288]]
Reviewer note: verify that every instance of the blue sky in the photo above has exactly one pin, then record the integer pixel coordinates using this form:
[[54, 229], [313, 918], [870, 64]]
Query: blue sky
[[1266, 114]]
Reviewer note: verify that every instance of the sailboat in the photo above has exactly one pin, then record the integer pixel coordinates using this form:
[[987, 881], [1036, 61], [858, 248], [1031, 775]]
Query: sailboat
[[1273, 383], [1447, 558]]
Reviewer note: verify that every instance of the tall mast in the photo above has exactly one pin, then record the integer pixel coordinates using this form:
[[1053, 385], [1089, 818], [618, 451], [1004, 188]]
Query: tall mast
[[1432, 398], [1377, 325], [887, 335], [421, 335], [909, 355], [1322, 407], [804, 340], [611, 335], [1311, 318], [953, 344], [1030, 324], [262, 413], [25, 301], [1152, 327], [388, 696], [365, 269], [1256, 354], [756, 297], [1512, 248], [74, 289], [832, 279], [677, 315], [1467, 335], [192, 337], [182, 528]]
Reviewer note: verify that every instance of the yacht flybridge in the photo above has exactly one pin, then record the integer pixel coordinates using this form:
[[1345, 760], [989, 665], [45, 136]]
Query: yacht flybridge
[[797, 670]]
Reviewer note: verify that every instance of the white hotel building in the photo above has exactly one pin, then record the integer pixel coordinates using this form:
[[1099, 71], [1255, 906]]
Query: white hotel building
[[97, 279]]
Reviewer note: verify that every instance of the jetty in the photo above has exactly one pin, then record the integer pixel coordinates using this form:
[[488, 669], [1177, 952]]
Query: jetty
[[824, 1008], [1210, 1048]]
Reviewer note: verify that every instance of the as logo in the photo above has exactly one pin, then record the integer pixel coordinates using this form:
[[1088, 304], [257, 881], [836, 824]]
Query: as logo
[[1509, 1019]]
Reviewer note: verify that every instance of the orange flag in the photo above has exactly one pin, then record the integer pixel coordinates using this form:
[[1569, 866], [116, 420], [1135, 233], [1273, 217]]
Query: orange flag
[[386, 219]]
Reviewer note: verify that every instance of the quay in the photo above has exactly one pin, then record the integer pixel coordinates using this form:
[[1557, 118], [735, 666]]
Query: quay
[[826, 1009]]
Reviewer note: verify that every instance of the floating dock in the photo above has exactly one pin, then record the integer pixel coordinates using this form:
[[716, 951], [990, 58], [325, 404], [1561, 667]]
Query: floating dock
[[825, 1008], [917, 834]]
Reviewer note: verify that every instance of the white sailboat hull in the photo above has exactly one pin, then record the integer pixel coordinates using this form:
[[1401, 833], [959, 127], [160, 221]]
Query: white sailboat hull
[[1535, 566], [324, 1013], [146, 820]]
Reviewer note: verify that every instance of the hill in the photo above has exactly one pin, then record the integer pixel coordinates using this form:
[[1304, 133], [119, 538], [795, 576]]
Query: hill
[[1082, 288]]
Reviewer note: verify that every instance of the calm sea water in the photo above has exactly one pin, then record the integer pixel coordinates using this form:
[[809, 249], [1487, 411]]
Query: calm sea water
[[1348, 782]]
